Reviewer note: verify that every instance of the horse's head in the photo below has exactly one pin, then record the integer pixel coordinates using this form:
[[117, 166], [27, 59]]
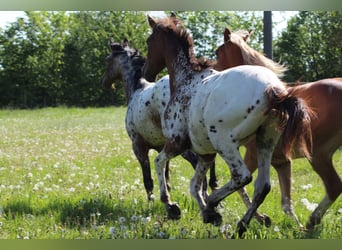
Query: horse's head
[[156, 61], [229, 54], [113, 69]]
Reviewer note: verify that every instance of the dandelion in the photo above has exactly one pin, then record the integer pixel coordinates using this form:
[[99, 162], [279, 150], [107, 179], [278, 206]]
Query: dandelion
[[134, 218], [112, 230], [276, 229], [310, 206], [307, 187], [161, 234], [47, 177], [29, 175], [122, 220], [146, 220], [225, 228]]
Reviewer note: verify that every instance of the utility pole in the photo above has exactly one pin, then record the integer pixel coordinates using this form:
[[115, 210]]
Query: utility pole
[[268, 34]]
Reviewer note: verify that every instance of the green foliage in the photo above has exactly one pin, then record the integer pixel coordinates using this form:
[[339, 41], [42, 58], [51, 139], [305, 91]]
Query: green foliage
[[53, 58], [70, 173], [57, 58], [311, 46], [207, 28]]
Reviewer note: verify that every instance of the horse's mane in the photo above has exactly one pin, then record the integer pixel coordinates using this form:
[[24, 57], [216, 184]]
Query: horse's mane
[[252, 57], [138, 62], [174, 27]]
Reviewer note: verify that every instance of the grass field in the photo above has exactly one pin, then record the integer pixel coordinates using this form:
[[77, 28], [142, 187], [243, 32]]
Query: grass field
[[69, 173]]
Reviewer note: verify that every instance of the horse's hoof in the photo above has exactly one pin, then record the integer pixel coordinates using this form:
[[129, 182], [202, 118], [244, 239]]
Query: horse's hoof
[[212, 217], [267, 221], [312, 223], [173, 211], [241, 229]]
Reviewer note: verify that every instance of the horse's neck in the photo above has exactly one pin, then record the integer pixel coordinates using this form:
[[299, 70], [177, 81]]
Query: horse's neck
[[128, 77], [180, 71]]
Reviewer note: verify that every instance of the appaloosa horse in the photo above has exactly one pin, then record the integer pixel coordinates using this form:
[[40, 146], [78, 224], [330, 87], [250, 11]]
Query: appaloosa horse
[[325, 98], [146, 103], [209, 112]]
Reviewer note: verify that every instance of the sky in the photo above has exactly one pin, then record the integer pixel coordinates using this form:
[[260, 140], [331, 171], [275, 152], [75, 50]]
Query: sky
[[280, 17]]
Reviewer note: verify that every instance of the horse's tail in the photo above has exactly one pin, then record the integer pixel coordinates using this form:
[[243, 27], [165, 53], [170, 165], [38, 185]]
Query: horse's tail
[[295, 117]]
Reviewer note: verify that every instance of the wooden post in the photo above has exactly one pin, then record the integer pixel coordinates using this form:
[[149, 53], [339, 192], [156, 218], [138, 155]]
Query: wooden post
[[268, 34]]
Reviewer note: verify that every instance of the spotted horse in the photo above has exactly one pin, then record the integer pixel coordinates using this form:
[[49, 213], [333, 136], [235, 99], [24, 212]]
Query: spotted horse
[[210, 112], [146, 103]]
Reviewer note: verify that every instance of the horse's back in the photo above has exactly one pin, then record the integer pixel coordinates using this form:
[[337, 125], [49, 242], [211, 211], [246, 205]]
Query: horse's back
[[231, 103], [325, 98]]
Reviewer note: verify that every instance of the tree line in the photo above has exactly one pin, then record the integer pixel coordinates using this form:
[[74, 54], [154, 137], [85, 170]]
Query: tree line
[[53, 58]]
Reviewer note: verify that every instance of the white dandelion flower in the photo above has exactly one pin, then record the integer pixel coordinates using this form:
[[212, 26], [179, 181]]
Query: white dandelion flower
[[122, 220], [112, 230], [310, 206], [307, 187]]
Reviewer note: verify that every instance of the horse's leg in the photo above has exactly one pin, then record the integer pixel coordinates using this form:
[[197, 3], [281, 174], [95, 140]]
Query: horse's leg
[[267, 137], [140, 150], [212, 179], [167, 175], [322, 164], [240, 176], [283, 168], [252, 164], [204, 163], [193, 159], [169, 151]]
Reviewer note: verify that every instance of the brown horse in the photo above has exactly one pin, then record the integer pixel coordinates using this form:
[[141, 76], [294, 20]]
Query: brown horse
[[325, 98], [208, 112]]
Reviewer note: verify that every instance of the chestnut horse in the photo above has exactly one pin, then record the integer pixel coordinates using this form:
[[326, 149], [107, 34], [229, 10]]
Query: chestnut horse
[[325, 98], [208, 112], [146, 103]]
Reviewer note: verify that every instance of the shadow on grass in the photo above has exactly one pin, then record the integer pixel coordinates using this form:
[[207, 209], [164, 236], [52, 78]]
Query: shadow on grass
[[84, 212]]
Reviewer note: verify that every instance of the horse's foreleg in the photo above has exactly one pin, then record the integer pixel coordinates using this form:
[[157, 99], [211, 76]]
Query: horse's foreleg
[[266, 140], [140, 150], [322, 164]]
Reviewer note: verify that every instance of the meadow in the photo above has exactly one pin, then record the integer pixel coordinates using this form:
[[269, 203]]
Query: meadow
[[70, 173]]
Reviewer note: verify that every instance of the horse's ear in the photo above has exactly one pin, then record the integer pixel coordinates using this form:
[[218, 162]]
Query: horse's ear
[[125, 43], [226, 35], [173, 15], [248, 35], [151, 21], [110, 42]]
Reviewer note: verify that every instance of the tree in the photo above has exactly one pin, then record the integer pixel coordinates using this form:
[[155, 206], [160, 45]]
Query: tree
[[311, 46], [207, 28]]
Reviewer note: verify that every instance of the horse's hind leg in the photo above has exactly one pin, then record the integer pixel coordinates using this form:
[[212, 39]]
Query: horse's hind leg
[[252, 164], [322, 164], [283, 168], [240, 176], [266, 140], [193, 159]]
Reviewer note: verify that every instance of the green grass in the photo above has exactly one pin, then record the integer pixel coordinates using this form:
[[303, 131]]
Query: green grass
[[69, 173]]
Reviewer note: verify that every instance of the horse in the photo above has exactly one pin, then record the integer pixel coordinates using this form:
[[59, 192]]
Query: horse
[[146, 103], [325, 98], [208, 113]]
